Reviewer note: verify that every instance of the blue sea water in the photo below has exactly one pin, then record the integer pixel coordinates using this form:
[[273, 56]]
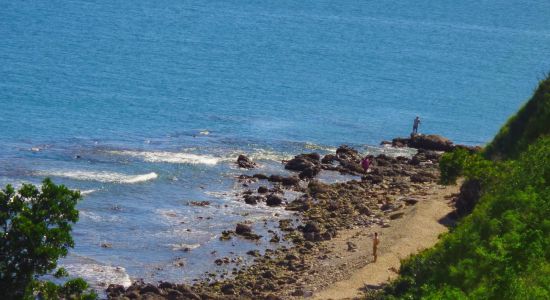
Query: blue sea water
[[144, 105]]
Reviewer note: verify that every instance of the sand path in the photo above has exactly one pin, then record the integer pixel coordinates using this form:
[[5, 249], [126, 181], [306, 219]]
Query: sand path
[[418, 229]]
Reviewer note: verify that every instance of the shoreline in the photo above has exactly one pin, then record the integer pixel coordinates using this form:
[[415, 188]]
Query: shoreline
[[329, 214]]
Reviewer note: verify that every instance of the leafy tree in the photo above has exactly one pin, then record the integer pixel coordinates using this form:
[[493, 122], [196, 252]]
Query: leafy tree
[[35, 231]]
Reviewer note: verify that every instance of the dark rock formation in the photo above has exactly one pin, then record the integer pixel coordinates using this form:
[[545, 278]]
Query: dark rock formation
[[245, 162], [273, 200], [307, 164]]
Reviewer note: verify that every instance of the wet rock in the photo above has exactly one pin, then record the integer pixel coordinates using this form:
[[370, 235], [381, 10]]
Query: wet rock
[[149, 288], [302, 162], [199, 203], [263, 190], [275, 239], [226, 235], [260, 176], [254, 253], [115, 290], [273, 200], [329, 159], [245, 162], [290, 181], [243, 229], [347, 153], [252, 199]]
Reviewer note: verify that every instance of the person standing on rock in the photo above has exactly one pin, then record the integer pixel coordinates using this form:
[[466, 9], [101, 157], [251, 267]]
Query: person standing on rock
[[375, 242], [365, 163], [416, 122]]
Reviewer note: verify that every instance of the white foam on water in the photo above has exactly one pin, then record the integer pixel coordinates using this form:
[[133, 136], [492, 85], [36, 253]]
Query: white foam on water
[[170, 157], [99, 275], [100, 176], [312, 146], [87, 192], [97, 218], [184, 247], [392, 151]]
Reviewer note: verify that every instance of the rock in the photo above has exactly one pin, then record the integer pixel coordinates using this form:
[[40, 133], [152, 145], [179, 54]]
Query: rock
[[245, 162], [374, 179], [431, 142], [312, 226], [228, 289], [252, 200], [275, 178], [273, 200], [290, 181], [410, 201], [351, 247], [242, 229], [199, 203], [254, 253], [115, 290], [132, 295], [310, 172], [420, 178], [262, 190], [329, 159], [400, 142], [260, 176], [176, 295], [347, 153], [396, 215], [149, 288]]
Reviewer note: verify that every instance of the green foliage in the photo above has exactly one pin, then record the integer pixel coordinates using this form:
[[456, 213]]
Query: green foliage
[[501, 250], [531, 122], [35, 230], [452, 165], [74, 289]]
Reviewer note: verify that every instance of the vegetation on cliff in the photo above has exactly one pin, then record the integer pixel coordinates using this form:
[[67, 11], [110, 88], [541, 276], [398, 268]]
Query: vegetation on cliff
[[522, 129], [502, 249]]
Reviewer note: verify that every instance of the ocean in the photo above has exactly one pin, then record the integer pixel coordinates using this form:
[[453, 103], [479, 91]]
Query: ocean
[[145, 105]]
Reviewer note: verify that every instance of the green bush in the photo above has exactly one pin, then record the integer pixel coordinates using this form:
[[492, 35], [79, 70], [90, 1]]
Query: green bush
[[35, 231], [452, 165]]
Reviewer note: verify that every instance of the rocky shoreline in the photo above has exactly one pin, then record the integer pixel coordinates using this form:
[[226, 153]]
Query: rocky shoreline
[[380, 196]]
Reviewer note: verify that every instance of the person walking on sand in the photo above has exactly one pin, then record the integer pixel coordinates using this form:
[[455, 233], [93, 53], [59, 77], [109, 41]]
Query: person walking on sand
[[375, 242], [416, 122]]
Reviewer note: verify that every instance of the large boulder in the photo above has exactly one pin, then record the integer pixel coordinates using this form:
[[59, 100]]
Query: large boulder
[[307, 164], [245, 162], [431, 142]]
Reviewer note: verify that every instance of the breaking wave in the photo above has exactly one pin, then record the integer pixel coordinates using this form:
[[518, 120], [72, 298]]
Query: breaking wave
[[170, 157], [100, 176], [100, 275]]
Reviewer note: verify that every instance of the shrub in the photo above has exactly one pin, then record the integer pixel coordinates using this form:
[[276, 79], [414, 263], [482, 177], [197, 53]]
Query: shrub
[[35, 231]]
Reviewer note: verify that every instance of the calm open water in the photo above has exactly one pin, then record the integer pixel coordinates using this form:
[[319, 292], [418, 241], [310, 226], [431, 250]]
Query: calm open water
[[143, 105]]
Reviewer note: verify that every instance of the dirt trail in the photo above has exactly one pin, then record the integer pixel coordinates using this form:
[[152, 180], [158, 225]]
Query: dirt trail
[[418, 229]]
